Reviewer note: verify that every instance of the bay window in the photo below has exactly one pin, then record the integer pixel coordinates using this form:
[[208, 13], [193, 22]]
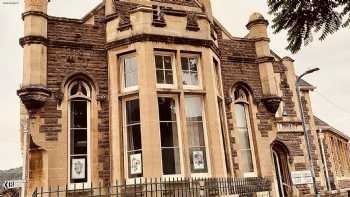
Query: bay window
[[196, 134], [169, 135]]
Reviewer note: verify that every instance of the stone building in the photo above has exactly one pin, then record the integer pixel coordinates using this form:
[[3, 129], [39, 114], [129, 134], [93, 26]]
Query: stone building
[[159, 88], [335, 147]]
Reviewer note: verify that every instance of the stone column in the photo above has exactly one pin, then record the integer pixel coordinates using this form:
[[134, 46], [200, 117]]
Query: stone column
[[212, 116], [33, 91], [151, 153], [257, 27]]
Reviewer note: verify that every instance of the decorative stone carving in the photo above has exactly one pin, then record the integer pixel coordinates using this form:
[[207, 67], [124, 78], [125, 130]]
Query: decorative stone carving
[[272, 103], [33, 97], [59, 96], [192, 22], [124, 8], [158, 16], [101, 97]]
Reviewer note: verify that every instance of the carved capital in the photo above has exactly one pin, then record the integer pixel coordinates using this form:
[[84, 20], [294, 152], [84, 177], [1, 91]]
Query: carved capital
[[33, 97], [101, 97], [272, 103]]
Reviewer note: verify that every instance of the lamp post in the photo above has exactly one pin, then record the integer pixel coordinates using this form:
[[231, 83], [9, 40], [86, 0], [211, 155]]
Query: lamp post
[[306, 134]]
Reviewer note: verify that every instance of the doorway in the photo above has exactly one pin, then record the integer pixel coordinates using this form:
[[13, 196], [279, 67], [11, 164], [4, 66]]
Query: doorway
[[282, 174]]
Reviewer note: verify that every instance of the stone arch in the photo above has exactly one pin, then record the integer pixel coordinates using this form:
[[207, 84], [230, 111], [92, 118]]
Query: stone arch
[[246, 87], [77, 76], [281, 151]]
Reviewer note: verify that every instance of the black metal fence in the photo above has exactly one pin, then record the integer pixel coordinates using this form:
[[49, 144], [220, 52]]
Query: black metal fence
[[164, 187]]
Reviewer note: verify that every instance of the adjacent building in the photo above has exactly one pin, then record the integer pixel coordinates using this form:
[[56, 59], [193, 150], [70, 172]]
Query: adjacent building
[[159, 88]]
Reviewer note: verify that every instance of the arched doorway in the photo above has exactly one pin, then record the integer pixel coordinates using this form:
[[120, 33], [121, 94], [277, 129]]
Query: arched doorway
[[282, 180]]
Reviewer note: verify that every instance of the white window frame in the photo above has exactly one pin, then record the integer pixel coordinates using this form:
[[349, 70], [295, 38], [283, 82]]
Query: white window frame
[[122, 73], [199, 71], [246, 106], [125, 139], [88, 130], [206, 141], [179, 135], [173, 66]]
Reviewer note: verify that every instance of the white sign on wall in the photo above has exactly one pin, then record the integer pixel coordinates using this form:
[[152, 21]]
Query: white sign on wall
[[301, 177], [136, 164], [12, 184], [78, 168]]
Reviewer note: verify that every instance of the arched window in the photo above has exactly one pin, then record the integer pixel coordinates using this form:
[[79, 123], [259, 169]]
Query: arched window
[[79, 132], [244, 132]]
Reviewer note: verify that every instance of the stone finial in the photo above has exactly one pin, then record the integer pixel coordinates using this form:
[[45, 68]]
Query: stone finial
[[36, 5], [257, 25]]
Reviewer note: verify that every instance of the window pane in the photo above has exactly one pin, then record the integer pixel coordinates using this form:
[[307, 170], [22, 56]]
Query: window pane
[[130, 72], [134, 137], [134, 142], [168, 132], [193, 64], [193, 108], [78, 141], [167, 62], [160, 76], [196, 134], [241, 120], [194, 78], [169, 135], [184, 63], [247, 161], [195, 130], [198, 160], [159, 61], [74, 89], [186, 78], [78, 114], [169, 77], [130, 79], [171, 161], [244, 141], [167, 109], [132, 111]]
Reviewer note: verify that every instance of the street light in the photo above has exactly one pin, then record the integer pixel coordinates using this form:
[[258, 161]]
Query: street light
[[306, 134]]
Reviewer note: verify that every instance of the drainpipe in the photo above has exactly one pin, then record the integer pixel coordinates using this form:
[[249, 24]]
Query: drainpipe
[[323, 154]]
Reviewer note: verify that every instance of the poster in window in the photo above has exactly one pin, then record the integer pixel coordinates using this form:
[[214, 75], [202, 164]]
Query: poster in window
[[78, 168], [198, 160], [136, 164]]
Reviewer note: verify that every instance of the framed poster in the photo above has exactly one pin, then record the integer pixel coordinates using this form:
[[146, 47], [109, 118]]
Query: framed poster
[[198, 160], [136, 164], [78, 168]]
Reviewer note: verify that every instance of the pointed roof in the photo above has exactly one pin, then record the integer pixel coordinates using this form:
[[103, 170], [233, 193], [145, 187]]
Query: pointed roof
[[325, 126]]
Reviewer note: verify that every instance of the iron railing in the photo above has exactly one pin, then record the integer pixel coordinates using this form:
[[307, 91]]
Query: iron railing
[[164, 187]]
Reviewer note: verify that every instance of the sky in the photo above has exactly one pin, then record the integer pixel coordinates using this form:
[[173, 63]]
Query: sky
[[330, 100]]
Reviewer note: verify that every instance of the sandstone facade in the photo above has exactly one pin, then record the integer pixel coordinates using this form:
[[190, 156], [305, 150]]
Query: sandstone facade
[[179, 55]]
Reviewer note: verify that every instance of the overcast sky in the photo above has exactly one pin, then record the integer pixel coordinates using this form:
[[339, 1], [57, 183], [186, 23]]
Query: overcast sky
[[330, 100]]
